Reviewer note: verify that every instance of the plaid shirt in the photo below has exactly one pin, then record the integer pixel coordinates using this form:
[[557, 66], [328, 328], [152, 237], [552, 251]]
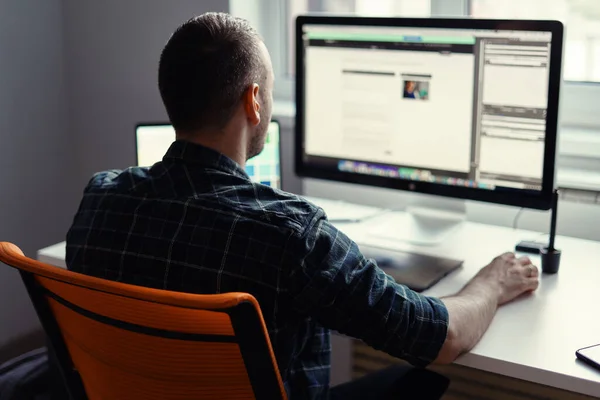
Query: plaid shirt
[[196, 223]]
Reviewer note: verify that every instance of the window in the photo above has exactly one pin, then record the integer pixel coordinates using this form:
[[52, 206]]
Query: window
[[581, 17]]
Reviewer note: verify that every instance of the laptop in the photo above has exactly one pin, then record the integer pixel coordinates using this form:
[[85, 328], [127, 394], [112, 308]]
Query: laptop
[[153, 140]]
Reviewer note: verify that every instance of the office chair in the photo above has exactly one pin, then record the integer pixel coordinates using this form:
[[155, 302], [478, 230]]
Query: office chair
[[120, 341]]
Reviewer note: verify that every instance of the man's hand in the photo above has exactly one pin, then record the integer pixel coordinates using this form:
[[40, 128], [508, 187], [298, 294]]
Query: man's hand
[[510, 276], [471, 310]]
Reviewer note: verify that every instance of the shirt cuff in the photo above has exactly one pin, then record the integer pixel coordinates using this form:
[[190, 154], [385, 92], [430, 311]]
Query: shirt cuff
[[431, 338]]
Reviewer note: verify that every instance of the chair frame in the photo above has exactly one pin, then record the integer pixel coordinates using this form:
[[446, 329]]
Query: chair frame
[[249, 330]]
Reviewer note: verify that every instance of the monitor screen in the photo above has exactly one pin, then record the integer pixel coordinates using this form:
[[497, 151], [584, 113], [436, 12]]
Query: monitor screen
[[153, 141], [462, 108]]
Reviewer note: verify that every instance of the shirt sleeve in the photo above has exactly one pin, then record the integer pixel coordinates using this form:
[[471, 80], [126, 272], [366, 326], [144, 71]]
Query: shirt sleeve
[[335, 284]]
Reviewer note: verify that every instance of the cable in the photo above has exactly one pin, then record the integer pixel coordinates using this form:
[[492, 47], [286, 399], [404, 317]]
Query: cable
[[516, 220]]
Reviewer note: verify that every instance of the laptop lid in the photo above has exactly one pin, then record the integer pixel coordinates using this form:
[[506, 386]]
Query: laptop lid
[[153, 140]]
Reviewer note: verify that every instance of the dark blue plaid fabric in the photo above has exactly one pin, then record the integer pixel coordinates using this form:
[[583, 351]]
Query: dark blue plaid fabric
[[196, 223]]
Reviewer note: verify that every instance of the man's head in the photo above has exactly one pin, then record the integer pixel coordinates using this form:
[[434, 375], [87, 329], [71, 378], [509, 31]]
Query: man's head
[[215, 74], [410, 86]]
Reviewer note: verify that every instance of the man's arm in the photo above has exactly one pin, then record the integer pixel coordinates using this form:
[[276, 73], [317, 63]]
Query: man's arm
[[473, 308], [471, 312], [337, 286]]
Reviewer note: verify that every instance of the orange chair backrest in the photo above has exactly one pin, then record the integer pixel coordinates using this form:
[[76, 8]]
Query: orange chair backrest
[[130, 342]]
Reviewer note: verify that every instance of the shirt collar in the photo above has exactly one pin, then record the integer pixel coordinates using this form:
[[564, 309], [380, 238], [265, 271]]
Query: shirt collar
[[196, 154]]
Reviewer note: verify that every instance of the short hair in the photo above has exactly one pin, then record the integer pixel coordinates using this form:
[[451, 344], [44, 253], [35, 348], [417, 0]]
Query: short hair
[[204, 69]]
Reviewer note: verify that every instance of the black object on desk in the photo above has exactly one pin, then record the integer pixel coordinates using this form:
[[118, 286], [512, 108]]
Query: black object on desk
[[530, 247], [550, 255], [590, 355], [417, 271]]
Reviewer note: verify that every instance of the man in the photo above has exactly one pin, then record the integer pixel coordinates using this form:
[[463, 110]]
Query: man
[[196, 223], [409, 90]]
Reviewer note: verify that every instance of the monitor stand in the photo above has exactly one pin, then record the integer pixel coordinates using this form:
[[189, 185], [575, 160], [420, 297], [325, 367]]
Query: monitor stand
[[419, 226]]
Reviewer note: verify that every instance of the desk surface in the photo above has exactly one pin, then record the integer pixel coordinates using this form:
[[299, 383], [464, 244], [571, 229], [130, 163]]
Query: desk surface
[[533, 338]]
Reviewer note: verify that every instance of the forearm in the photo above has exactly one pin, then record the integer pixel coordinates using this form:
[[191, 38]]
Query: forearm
[[343, 291], [471, 311]]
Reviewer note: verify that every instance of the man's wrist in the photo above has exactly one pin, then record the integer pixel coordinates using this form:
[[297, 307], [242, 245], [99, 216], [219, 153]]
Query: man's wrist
[[484, 287]]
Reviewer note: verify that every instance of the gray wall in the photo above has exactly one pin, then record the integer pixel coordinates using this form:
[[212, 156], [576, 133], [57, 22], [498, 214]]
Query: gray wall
[[36, 157], [112, 48], [75, 77]]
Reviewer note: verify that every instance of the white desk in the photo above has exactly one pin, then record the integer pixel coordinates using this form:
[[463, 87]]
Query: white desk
[[534, 338]]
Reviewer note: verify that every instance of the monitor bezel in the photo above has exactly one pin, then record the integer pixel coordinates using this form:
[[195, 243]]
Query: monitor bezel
[[529, 199]]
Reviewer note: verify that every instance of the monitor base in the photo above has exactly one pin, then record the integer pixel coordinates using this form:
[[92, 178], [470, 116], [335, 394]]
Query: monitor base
[[419, 226]]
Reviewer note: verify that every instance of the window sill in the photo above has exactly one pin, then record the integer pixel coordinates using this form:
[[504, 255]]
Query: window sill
[[580, 142], [580, 179], [580, 149]]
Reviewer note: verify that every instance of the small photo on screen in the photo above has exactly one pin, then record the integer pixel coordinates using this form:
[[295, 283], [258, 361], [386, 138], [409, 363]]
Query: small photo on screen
[[415, 89]]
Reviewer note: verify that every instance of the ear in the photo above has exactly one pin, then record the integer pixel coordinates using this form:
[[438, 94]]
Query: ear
[[252, 104]]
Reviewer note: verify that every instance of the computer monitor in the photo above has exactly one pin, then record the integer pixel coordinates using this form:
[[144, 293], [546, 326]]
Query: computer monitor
[[453, 107], [153, 141]]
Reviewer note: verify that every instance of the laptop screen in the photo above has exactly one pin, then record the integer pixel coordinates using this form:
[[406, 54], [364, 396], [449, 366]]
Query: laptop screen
[[153, 141]]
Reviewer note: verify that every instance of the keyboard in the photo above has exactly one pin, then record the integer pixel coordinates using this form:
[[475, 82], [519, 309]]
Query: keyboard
[[341, 211]]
